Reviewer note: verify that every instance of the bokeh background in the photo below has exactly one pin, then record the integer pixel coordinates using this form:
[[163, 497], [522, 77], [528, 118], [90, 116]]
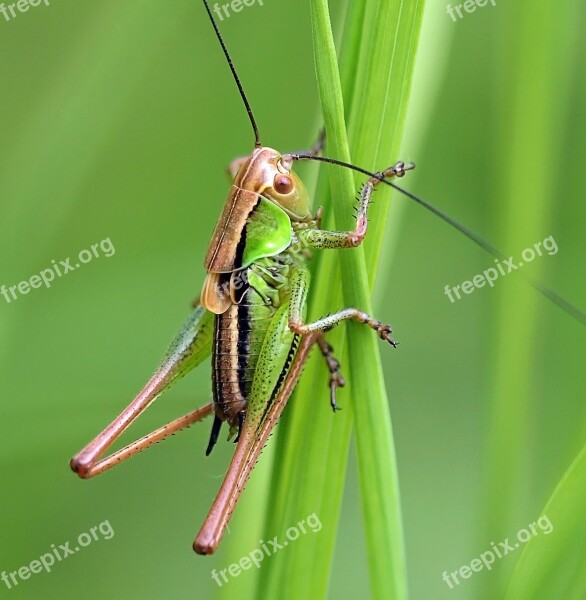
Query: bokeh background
[[117, 121]]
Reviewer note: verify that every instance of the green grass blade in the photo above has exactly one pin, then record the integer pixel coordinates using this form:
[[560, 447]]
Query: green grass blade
[[376, 455], [553, 565], [312, 466], [376, 452]]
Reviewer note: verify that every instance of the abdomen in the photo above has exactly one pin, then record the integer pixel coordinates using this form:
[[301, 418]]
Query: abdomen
[[238, 337]]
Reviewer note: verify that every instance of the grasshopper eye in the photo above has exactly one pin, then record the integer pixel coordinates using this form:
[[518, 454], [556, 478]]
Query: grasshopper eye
[[283, 184], [289, 193]]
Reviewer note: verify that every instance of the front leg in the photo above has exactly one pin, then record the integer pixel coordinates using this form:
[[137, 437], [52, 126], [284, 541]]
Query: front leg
[[299, 286], [321, 239]]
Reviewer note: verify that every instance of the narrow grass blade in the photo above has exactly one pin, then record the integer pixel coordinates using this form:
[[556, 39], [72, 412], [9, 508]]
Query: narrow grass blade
[[312, 464]]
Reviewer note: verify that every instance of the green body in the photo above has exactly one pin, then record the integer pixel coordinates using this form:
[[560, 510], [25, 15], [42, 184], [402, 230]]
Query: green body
[[250, 317], [257, 286], [252, 343]]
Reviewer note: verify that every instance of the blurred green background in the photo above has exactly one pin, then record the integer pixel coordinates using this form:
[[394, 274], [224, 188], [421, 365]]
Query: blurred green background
[[118, 119]]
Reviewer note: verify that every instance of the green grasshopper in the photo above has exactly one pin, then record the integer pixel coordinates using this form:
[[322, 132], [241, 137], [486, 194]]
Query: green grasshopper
[[251, 315], [250, 318]]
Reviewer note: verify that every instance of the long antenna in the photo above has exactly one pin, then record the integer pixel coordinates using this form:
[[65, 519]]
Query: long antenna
[[257, 143], [566, 306]]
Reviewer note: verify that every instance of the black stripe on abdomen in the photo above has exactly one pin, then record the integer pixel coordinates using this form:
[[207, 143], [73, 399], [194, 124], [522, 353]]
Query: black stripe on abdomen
[[243, 347]]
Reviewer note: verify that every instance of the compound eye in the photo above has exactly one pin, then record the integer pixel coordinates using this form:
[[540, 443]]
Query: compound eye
[[283, 184]]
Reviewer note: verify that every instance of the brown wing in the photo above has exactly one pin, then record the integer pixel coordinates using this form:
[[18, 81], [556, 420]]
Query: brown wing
[[215, 295], [221, 256]]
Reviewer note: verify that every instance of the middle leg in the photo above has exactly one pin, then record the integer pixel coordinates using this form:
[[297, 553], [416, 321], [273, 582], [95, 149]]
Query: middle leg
[[299, 286]]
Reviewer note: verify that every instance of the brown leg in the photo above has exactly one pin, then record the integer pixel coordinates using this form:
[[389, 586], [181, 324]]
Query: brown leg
[[190, 346], [336, 379], [95, 466], [88, 457], [248, 450]]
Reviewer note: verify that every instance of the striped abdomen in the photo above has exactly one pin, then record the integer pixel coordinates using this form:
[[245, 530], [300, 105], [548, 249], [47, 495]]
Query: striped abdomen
[[239, 334]]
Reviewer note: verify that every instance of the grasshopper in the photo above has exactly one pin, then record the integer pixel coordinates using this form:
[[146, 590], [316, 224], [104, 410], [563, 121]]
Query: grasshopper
[[251, 315]]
